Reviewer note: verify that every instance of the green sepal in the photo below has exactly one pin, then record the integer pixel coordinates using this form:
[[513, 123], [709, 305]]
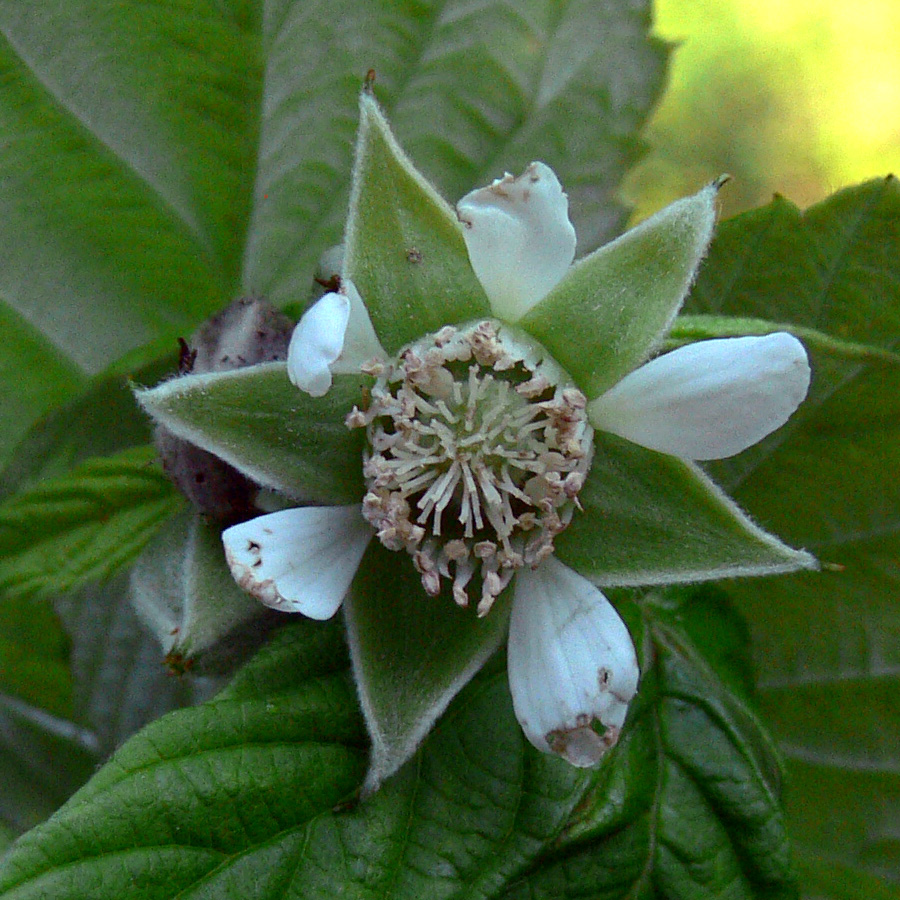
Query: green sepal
[[650, 518], [82, 526], [613, 308], [182, 589], [404, 247], [257, 421], [688, 329], [411, 654]]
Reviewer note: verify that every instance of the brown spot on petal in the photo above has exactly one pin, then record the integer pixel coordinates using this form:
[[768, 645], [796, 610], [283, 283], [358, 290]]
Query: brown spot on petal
[[264, 590], [583, 746]]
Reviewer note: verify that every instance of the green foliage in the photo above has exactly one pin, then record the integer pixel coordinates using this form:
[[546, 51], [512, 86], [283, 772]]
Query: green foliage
[[82, 526], [34, 656], [691, 328], [827, 645], [161, 159], [43, 755], [41, 378], [140, 203], [251, 779], [99, 420], [119, 683], [43, 759], [274, 750]]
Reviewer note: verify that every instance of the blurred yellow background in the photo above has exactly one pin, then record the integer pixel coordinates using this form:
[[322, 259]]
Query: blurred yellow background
[[799, 97]]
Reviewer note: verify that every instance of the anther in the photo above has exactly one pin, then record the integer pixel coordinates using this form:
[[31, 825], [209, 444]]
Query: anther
[[477, 448]]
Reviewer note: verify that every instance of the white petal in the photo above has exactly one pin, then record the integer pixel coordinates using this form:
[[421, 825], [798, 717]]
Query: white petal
[[361, 344], [708, 400], [299, 560], [572, 667], [519, 238], [335, 336]]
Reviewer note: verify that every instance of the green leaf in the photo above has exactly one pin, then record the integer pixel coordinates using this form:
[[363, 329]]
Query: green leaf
[[100, 419], [33, 379], [613, 308], [538, 80], [462, 819], [827, 877], [470, 90], [828, 646], [282, 438], [411, 654], [232, 174], [128, 171], [83, 526], [691, 808], [830, 268], [66, 703], [207, 785], [182, 589], [238, 796], [405, 251], [33, 656], [43, 759], [650, 518], [44, 754]]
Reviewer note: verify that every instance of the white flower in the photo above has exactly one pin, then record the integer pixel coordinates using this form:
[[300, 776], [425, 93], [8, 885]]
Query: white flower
[[572, 665]]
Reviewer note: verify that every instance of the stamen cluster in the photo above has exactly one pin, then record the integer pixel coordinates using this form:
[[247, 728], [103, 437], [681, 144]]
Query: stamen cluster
[[477, 448]]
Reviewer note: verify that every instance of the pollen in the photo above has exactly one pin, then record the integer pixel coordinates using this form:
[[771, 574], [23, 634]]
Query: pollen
[[477, 447]]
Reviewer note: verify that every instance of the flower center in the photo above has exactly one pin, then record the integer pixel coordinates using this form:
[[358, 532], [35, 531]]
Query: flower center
[[478, 445]]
